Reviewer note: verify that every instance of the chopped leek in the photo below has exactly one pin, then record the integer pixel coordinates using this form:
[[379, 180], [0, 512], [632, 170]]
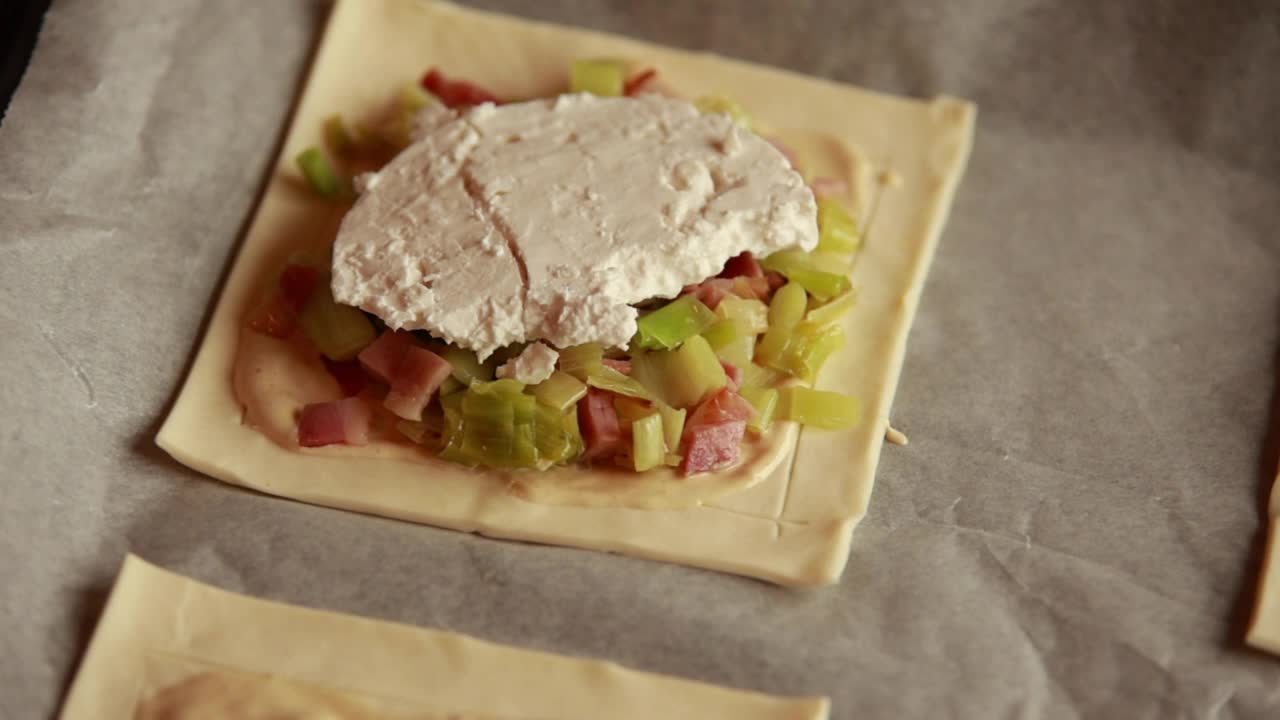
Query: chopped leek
[[837, 230], [722, 333], [467, 368], [730, 343], [560, 391], [338, 331], [785, 313], [338, 137], [450, 386], [765, 401], [631, 409], [831, 311], [811, 271], [415, 431], [672, 426], [756, 376], [723, 104], [556, 442], [581, 360], [647, 444], [820, 408], [598, 77], [413, 98], [752, 316], [673, 323], [606, 378], [809, 349], [820, 284], [680, 378], [319, 173]]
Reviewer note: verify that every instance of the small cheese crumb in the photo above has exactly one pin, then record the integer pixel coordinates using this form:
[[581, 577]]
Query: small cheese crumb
[[532, 366]]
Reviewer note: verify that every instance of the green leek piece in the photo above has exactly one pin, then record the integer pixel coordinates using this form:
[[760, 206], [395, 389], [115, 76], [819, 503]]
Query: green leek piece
[[555, 442], [415, 431], [498, 425], [730, 343], [739, 352], [756, 376], [569, 422], [561, 391], [647, 444], [765, 401], [820, 284], [832, 310], [320, 174], [454, 429], [680, 378], [807, 269], [598, 77], [467, 368], [672, 460], [339, 332], [785, 313], [752, 316], [505, 386], [786, 261], [338, 137], [673, 323], [723, 104], [672, 426], [581, 360], [820, 408], [809, 349], [722, 333], [606, 378], [413, 98], [630, 409], [450, 386], [837, 230]]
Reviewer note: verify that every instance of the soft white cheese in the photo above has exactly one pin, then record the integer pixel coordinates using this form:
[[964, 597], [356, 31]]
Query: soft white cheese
[[548, 219], [533, 365]]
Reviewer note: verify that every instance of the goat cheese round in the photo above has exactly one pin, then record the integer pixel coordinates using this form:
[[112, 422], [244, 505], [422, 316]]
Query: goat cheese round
[[547, 220]]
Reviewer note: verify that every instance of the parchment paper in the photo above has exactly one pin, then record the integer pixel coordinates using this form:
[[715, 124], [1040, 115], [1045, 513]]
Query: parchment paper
[[1071, 532]]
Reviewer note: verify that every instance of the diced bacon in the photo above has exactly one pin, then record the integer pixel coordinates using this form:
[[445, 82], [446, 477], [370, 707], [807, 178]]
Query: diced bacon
[[455, 93], [274, 317], [598, 421], [724, 406], [622, 366], [710, 447], [297, 282], [383, 355], [829, 187], [775, 280], [787, 152], [744, 265], [734, 373], [416, 378], [344, 421], [639, 82], [349, 374], [710, 292]]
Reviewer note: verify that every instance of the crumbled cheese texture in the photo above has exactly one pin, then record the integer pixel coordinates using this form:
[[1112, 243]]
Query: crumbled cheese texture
[[533, 365], [547, 220]]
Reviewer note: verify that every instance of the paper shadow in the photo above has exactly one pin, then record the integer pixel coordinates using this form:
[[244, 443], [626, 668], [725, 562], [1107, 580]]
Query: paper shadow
[[88, 610]]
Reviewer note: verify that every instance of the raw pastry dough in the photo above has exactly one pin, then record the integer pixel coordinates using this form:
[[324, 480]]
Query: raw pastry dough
[[1264, 628], [793, 528], [162, 634]]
